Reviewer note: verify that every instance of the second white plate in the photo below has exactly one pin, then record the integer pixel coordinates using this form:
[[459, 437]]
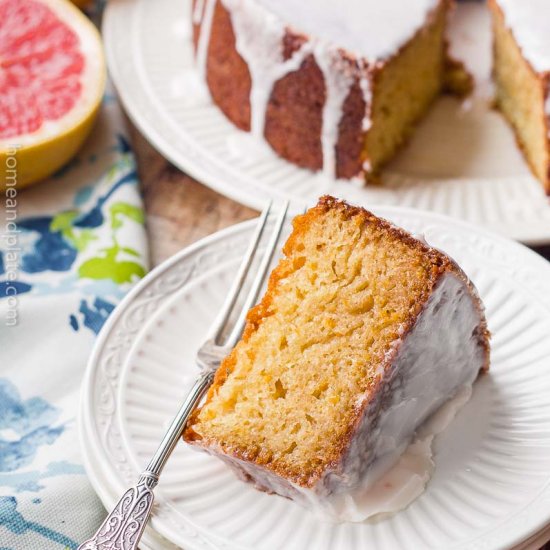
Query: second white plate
[[461, 162], [491, 487]]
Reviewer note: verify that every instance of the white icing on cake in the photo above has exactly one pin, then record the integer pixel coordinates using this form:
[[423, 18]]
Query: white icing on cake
[[198, 10], [529, 21], [369, 28], [470, 41], [264, 56], [366, 89], [203, 12], [338, 82], [388, 462], [267, 65]]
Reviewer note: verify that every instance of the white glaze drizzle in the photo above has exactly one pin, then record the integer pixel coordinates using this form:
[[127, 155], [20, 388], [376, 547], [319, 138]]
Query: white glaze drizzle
[[366, 90], [394, 489], [198, 10], [433, 376], [264, 57], [338, 82], [266, 65], [204, 35]]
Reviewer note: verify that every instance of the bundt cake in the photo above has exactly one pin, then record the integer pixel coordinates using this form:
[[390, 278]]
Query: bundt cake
[[363, 333], [521, 71], [338, 86], [332, 86]]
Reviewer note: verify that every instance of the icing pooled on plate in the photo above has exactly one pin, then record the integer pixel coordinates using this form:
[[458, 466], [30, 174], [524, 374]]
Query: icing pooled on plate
[[407, 479]]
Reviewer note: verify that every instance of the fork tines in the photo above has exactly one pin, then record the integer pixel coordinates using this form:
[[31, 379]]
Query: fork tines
[[251, 276]]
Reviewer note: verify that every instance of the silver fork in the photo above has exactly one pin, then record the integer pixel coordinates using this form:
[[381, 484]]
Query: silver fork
[[123, 527]]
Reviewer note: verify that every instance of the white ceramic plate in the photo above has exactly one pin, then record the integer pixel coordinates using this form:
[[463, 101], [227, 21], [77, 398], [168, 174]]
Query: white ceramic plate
[[491, 487], [461, 162]]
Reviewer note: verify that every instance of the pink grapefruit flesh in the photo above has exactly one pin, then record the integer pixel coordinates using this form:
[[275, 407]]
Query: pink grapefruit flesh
[[52, 78], [40, 67]]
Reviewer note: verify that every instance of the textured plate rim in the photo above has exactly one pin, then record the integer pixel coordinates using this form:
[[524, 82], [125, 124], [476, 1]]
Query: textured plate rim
[[150, 539]]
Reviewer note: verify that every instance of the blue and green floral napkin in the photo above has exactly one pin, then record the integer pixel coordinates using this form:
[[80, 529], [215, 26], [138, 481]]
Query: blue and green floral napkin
[[70, 248]]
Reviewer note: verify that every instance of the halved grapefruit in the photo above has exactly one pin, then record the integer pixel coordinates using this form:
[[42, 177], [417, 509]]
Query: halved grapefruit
[[52, 79]]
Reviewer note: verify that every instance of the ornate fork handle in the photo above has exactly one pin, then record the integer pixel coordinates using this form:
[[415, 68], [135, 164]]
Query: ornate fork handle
[[123, 527]]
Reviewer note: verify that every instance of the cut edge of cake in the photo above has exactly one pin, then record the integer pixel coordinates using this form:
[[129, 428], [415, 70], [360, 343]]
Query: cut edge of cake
[[522, 96]]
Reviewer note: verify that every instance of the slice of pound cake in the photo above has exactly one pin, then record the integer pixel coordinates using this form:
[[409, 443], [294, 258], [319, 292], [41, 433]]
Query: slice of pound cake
[[363, 333]]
